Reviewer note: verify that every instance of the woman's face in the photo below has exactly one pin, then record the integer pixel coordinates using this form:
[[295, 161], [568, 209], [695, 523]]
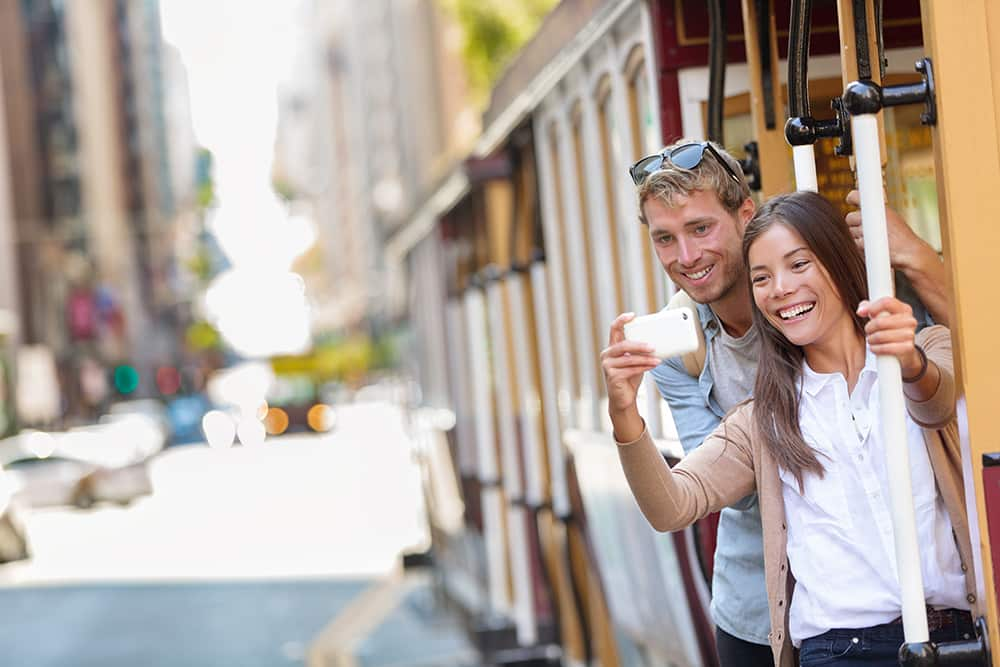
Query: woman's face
[[791, 288]]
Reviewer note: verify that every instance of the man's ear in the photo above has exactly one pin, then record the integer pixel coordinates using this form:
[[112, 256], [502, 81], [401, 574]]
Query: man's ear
[[746, 211]]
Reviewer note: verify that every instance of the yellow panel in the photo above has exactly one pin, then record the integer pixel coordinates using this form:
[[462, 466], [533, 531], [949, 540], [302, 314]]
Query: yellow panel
[[965, 46], [775, 154]]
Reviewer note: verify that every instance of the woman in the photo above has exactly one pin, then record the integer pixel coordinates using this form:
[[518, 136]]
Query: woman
[[809, 443]]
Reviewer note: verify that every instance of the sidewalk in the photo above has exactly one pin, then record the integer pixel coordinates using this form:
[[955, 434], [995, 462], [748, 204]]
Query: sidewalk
[[396, 623]]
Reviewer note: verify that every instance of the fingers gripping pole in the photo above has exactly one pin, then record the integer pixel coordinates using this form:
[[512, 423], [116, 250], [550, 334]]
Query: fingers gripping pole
[[869, 168]]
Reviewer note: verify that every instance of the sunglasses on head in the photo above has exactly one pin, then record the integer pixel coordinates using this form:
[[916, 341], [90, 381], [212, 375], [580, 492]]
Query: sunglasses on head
[[685, 156]]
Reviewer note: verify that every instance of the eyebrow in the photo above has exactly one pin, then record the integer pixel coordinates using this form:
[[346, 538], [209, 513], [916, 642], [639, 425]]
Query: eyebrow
[[785, 256], [690, 223]]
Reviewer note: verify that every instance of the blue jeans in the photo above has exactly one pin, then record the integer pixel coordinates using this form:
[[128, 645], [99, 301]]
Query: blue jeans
[[876, 646]]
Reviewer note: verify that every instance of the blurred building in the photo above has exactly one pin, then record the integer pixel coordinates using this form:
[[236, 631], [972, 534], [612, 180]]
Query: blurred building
[[95, 195], [369, 124]]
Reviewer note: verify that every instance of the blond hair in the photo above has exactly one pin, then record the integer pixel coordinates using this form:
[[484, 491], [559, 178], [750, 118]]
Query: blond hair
[[666, 183]]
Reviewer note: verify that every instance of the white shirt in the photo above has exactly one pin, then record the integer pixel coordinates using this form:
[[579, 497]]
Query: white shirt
[[840, 535]]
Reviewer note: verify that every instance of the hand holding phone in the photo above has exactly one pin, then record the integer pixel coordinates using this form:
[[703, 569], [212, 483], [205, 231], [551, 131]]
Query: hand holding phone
[[671, 332]]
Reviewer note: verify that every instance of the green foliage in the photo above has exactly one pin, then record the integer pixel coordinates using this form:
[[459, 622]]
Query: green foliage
[[204, 180], [493, 32], [202, 336], [199, 264], [284, 190]]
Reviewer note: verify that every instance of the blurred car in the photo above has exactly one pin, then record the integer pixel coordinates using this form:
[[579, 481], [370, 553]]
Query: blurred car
[[13, 540], [87, 464], [56, 481], [13, 544], [150, 409], [293, 406], [307, 416], [185, 414]]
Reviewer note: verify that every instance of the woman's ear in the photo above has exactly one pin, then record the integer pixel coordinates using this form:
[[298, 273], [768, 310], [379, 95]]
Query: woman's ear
[[746, 211]]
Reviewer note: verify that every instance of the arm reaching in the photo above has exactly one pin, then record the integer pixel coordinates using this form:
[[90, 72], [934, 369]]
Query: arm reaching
[[717, 474], [910, 254]]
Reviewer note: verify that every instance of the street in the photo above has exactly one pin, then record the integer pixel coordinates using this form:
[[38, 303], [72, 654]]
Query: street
[[240, 557]]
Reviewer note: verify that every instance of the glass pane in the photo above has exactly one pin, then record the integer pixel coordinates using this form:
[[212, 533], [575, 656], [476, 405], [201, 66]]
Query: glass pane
[[910, 184]]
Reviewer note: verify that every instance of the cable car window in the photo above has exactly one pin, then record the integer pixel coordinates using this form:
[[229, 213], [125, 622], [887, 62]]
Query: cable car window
[[911, 186]]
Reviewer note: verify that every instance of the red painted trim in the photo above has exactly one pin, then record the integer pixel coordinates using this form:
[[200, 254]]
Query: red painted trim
[[665, 51], [704, 629]]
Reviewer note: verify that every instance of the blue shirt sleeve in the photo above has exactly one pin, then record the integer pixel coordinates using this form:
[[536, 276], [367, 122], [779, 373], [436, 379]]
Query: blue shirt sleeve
[[692, 416]]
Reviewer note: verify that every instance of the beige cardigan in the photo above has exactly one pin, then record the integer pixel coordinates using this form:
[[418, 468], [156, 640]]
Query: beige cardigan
[[731, 464]]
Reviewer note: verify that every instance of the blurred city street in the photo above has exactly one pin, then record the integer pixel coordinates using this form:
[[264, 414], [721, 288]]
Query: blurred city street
[[239, 557]]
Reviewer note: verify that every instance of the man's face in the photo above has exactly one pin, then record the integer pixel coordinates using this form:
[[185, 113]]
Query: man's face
[[699, 243]]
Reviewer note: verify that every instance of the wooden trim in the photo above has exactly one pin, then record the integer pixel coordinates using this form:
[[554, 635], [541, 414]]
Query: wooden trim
[[965, 46], [773, 151]]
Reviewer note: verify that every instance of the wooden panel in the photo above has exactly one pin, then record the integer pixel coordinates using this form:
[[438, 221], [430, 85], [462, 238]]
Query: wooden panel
[[775, 154], [965, 46]]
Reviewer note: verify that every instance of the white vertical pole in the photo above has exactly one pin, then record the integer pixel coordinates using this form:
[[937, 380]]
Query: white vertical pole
[[804, 158], [555, 259], [520, 569], [459, 380], [489, 470], [534, 493], [864, 129], [553, 427]]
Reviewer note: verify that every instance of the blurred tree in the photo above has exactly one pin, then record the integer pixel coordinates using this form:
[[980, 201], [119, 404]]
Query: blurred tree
[[283, 189], [493, 32], [204, 179]]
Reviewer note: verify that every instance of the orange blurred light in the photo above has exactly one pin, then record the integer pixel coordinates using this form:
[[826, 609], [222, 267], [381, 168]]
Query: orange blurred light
[[321, 417], [168, 380], [276, 421], [262, 411]]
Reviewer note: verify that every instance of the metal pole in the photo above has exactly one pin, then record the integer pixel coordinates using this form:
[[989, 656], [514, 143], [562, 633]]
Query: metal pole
[[488, 468], [553, 427], [804, 158], [520, 567], [865, 97]]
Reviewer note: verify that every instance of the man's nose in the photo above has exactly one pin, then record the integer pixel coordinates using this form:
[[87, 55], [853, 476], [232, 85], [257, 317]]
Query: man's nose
[[689, 252]]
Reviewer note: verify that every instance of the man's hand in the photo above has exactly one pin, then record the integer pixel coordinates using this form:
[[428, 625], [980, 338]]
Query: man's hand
[[910, 254], [904, 244], [624, 362]]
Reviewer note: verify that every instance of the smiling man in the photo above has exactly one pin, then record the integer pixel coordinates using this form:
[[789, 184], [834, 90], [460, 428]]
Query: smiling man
[[695, 202]]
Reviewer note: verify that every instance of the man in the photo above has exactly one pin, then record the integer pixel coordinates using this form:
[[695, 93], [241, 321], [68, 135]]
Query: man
[[696, 203]]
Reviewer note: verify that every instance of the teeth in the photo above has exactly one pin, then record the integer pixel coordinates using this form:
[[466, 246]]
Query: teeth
[[699, 275], [796, 310]]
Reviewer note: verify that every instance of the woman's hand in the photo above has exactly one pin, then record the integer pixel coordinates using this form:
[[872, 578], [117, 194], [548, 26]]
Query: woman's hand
[[891, 330], [624, 362]]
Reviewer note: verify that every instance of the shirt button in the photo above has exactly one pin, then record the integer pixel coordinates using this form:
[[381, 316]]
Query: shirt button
[[781, 603], [965, 568], [778, 636], [971, 598], [783, 526], [783, 567]]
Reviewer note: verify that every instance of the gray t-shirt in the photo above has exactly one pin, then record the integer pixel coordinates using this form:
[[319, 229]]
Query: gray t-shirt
[[733, 364]]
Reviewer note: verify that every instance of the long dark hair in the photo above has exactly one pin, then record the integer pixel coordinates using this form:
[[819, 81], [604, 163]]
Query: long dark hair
[[777, 388]]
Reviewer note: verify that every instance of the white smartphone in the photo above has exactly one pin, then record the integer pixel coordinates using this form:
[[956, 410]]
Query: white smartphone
[[671, 332]]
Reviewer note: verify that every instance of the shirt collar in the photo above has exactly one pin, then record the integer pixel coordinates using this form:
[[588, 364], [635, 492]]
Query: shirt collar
[[813, 382]]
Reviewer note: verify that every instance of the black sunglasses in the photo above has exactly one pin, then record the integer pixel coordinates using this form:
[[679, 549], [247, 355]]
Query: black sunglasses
[[685, 156]]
